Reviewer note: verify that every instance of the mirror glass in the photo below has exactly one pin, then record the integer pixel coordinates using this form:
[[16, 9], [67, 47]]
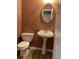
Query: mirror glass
[[47, 15]]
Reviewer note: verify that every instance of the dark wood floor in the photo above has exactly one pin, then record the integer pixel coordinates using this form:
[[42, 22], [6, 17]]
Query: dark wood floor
[[36, 54]]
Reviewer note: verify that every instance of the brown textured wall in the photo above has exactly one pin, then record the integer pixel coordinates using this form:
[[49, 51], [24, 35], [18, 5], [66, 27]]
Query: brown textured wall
[[19, 17], [32, 21]]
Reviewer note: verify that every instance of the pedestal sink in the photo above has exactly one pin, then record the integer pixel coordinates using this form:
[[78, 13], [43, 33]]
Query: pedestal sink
[[45, 34]]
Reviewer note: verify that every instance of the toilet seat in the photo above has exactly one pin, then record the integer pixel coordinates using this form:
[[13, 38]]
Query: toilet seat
[[23, 45]]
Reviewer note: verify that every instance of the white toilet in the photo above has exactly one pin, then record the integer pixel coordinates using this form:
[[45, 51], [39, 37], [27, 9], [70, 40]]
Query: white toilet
[[24, 45]]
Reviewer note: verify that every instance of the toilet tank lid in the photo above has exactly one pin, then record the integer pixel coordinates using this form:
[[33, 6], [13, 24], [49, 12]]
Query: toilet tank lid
[[27, 34]]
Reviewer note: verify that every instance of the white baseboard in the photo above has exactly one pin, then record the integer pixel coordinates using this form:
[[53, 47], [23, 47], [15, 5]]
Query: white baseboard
[[36, 48]]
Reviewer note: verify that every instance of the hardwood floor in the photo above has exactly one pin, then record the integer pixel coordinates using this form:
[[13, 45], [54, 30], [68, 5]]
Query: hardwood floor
[[35, 54]]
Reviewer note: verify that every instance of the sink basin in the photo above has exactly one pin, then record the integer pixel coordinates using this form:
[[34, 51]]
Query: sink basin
[[45, 34]]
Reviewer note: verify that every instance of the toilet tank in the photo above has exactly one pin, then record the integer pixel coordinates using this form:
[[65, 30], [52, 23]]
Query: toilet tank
[[27, 36]]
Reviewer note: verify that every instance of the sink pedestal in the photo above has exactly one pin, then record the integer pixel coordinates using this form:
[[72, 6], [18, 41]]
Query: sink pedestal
[[44, 46]]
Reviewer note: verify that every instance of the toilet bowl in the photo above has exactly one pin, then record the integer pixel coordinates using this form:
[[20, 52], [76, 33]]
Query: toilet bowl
[[24, 45]]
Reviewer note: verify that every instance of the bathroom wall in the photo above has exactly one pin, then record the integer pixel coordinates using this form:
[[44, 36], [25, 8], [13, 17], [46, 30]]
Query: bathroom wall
[[19, 17], [32, 22]]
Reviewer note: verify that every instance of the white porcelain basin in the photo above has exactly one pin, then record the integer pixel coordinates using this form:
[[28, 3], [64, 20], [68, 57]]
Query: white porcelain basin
[[45, 34]]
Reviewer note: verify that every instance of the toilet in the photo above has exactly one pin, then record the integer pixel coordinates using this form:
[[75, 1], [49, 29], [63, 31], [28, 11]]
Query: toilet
[[24, 45]]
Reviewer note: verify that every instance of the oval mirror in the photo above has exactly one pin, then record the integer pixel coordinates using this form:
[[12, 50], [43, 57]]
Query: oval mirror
[[47, 15]]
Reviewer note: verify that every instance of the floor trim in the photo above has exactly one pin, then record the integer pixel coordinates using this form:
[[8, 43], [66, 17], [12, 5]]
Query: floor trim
[[36, 48]]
